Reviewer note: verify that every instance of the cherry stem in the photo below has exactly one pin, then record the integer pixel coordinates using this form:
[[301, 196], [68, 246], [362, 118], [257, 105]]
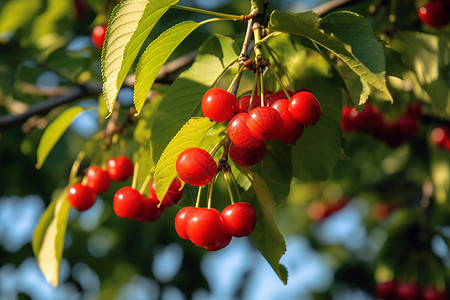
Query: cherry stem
[[197, 202], [257, 37], [224, 71], [76, 165], [280, 82], [210, 190], [263, 40], [217, 146], [255, 85], [235, 79], [235, 184], [211, 13], [135, 175], [283, 68], [262, 90], [145, 183], [225, 176]]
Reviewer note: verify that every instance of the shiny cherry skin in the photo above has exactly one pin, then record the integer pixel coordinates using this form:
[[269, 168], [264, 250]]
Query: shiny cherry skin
[[265, 123], [386, 290], [120, 168], [180, 221], [81, 197], [349, 114], [432, 293], [196, 166], [244, 101], [240, 134], [245, 156], [224, 241], [205, 227], [98, 35], [277, 96], [434, 14], [292, 130], [408, 291], [150, 211], [128, 203], [219, 105], [305, 108], [239, 218], [98, 179], [173, 195]]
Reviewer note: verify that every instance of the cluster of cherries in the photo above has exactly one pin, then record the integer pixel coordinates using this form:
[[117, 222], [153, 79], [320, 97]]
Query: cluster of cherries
[[393, 290], [212, 230], [435, 13], [371, 121], [440, 136]]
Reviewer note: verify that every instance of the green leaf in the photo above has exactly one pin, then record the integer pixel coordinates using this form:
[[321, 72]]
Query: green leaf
[[183, 98], [130, 23], [54, 132], [10, 20], [344, 34], [266, 236], [155, 56], [190, 135], [48, 237]]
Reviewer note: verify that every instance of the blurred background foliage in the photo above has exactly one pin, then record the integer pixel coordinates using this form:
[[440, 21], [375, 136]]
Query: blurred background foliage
[[381, 212]]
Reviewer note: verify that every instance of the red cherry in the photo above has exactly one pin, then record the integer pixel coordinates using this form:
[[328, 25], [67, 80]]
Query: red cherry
[[98, 35], [245, 156], [120, 168], [380, 211], [317, 211], [270, 99], [150, 210], [180, 221], [292, 130], [414, 110], [81, 197], [173, 195], [204, 227], [128, 203], [337, 206], [386, 290], [98, 179], [265, 123], [239, 218], [305, 108], [224, 241], [196, 167], [409, 125], [434, 14], [349, 114], [370, 120], [244, 101], [440, 136], [432, 293], [408, 291], [394, 135], [240, 134], [219, 105]]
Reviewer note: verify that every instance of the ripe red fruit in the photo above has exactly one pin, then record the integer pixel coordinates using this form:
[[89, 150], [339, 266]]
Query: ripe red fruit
[[270, 99], [434, 14], [245, 156], [408, 291], [305, 108], [80, 7], [173, 195], [440, 136], [81, 197], [150, 210], [265, 123], [224, 241], [386, 290], [244, 101], [349, 114], [239, 218], [240, 134], [432, 293], [394, 135], [120, 168], [409, 125], [204, 227], [180, 221], [98, 179], [370, 120], [292, 130], [128, 203], [98, 35], [219, 105], [196, 167]]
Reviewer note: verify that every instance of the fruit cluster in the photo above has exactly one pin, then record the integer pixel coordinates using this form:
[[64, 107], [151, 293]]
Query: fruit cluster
[[212, 230], [440, 136], [371, 121], [393, 290], [435, 13]]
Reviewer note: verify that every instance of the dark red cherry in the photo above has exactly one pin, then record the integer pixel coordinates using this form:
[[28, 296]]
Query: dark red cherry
[[408, 291], [150, 211], [386, 290], [180, 221], [305, 108], [432, 293], [434, 14], [265, 123], [173, 195], [240, 134], [245, 156], [292, 130]]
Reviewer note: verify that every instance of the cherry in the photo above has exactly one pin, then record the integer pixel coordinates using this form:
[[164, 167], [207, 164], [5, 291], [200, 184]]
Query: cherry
[[305, 108], [180, 221], [173, 195], [440, 136], [317, 211], [434, 14], [432, 293], [239, 218], [205, 227], [414, 110], [120, 168], [292, 130], [265, 123], [244, 101], [394, 135], [408, 291], [224, 241], [219, 105], [98, 35], [98, 179], [349, 114], [386, 290], [150, 210], [370, 120], [80, 7], [380, 211], [409, 125], [196, 166], [128, 203], [270, 99], [81, 197], [240, 134], [245, 156]]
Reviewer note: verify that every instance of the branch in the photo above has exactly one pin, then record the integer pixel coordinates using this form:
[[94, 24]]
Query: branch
[[330, 6]]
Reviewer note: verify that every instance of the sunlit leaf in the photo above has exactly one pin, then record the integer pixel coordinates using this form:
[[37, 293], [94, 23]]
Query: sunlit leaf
[[10, 20]]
